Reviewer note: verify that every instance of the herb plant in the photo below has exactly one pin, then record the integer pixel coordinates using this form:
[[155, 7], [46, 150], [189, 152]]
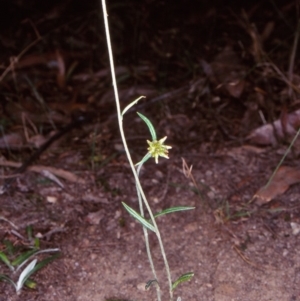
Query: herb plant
[[156, 149]]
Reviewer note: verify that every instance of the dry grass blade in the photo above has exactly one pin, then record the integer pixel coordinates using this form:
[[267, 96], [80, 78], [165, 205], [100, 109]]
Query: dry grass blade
[[292, 58], [40, 168], [245, 258], [16, 59], [187, 171]]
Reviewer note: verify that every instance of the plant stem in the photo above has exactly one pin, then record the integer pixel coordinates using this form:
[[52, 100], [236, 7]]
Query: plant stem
[[120, 122], [145, 230]]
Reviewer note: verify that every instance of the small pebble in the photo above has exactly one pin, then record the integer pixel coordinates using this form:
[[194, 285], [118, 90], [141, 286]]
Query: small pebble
[[295, 228]]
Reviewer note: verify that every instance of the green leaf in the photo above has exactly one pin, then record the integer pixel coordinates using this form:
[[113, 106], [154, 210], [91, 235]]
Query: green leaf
[[36, 253], [138, 217], [182, 278], [44, 262], [29, 232], [131, 105], [25, 274], [32, 268], [9, 247], [150, 126], [173, 209], [30, 283], [5, 278], [23, 257], [140, 164], [4, 258], [36, 242]]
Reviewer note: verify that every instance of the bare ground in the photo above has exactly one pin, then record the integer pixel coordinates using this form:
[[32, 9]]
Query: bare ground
[[255, 257]]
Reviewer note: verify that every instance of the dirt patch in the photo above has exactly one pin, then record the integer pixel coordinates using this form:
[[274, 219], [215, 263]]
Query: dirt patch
[[249, 258]]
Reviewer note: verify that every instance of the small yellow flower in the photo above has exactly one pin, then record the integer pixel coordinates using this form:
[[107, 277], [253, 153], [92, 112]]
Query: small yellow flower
[[158, 149]]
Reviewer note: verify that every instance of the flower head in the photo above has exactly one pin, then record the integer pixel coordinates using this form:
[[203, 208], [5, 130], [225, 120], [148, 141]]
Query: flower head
[[158, 149]]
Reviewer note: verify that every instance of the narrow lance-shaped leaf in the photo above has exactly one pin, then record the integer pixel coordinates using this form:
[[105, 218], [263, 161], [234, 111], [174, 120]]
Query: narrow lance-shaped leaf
[[139, 218], [30, 283], [25, 275], [4, 258], [182, 278], [173, 209], [140, 164], [5, 278], [36, 253], [44, 262], [23, 257], [29, 232], [150, 126], [131, 105], [10, 249], [36, 243]]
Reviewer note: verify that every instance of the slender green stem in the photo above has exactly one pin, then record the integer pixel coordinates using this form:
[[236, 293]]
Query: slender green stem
[[146, 231], [120, 121], [283, 158]]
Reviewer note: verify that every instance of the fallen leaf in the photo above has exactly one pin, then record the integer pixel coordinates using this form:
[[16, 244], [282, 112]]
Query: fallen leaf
[[235, 88], [94, 197], [268, 134], [94, 218], [40, 168], [11, 141], [61, 70], [16, 111], [227, 71], [120, 71], [282, 180], [52, 177], [37, 140]]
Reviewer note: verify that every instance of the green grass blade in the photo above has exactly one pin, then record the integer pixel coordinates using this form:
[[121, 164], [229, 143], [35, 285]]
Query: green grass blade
[[36, 253], [30, 284], [29, 232], [139, 218], [23, 257], [173, 209], [37, 243], [5, 278], [182, 278], [4, 258], [44, 262], [31, 269], [150, 126], [10, 249]]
